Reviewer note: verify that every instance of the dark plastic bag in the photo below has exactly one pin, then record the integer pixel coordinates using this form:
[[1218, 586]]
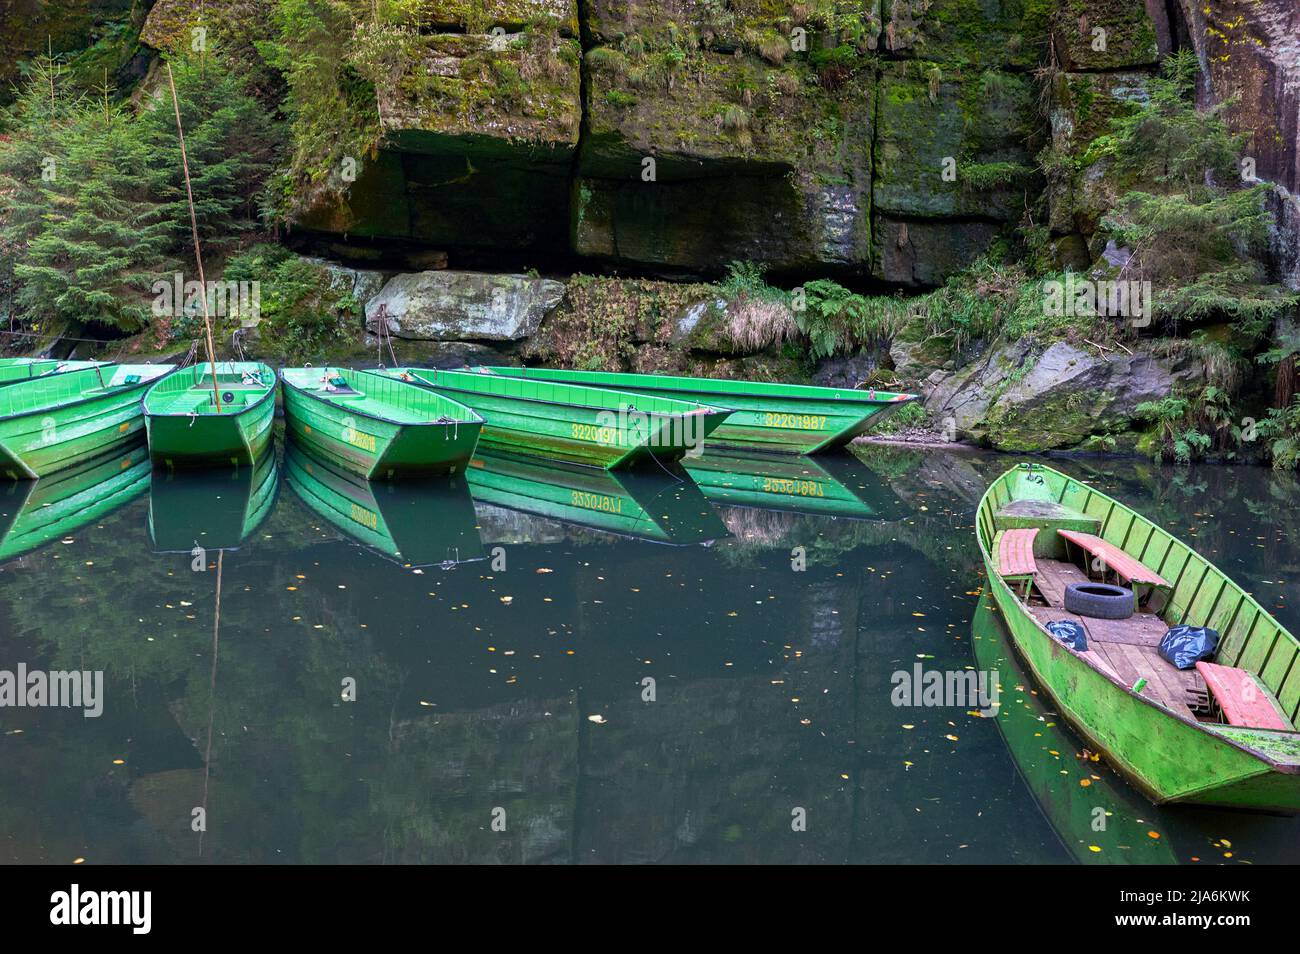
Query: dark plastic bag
[[1070, 633], [1185, 646]]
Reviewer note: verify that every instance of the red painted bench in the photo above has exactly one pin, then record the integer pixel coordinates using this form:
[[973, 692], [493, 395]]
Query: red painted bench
[[1243, 700], [1016, 555], [1125, 567]]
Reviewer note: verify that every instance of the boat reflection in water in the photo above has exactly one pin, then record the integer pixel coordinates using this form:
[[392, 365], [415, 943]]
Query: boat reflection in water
[[213, 509], [32, 513], [661, 507], [1102, 822], [838, 486], [427, 522]]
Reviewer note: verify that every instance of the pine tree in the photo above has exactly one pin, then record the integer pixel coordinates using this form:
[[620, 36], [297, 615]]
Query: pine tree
[[100, 238], [231, 142]]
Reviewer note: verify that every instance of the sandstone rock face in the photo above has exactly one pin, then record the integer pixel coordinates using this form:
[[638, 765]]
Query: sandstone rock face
[[463, 306], [1021, 398], [1251, 50]]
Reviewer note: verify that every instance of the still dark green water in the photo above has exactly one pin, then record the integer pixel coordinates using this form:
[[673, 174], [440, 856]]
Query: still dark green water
[[531, 687]]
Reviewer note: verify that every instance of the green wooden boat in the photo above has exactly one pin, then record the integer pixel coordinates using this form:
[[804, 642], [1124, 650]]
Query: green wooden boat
[[1157, 725], [1047, 758], [575, 424], [795, 484], [413, 524], [777, 418], [379, 426], [56, 420], [210, 509], [32, 513], [642, 505], [191, 424], [13, 370]]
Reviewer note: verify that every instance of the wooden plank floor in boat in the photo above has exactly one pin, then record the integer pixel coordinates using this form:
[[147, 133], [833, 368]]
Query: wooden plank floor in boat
[[1125, 647]]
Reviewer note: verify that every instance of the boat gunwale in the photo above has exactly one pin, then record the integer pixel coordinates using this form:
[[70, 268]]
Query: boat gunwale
[[214, 415], [125, 389], [476, 419], [705, 409], [905, 397], [1285, 768]]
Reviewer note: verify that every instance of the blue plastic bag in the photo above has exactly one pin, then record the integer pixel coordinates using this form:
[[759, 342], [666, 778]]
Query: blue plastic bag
[[1185, 646], [1070, 633]]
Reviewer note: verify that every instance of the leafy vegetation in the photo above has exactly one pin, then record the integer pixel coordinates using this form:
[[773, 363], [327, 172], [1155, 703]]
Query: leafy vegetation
[[304, 312], [1191, 427], [1194, 228], [836, 320], [97, 209]]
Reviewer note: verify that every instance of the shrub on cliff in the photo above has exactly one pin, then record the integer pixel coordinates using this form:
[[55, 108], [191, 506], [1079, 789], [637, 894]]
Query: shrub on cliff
[[1196, 232]]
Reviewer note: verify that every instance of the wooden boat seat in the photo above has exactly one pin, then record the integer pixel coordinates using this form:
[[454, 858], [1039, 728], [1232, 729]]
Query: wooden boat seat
[[1116, 560], [1015, 554], [1242, 699]]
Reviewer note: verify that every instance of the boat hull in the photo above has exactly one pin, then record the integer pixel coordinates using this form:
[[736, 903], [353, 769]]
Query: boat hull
[[44, 440], [782, 419], [1168, 758], [211, 440], [376, 448], [586, 426], [237, 436], [1044, 754]]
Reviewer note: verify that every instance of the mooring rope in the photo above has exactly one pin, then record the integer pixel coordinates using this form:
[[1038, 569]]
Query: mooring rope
[[194, 230]]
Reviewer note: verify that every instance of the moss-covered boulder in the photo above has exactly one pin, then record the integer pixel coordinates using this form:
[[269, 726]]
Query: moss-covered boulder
[[1091, 35], [954, 147], [972, 32], [462, 306], [1080, 186], [1024, 397]]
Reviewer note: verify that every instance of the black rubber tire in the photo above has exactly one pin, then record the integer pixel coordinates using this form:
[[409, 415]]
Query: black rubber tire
[[1099, 600]]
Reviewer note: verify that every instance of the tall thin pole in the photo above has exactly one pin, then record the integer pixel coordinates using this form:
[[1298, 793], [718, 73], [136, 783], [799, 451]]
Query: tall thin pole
[[198, 255]]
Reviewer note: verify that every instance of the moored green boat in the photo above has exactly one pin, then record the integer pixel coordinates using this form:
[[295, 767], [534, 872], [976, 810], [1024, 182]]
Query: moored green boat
[[648, 505], [215, 510], [13, 370], [777, 418], [1212, 736], [32, 513], [193, 423], [576, 424], [377, 425], [54, 421], [424, 524]]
